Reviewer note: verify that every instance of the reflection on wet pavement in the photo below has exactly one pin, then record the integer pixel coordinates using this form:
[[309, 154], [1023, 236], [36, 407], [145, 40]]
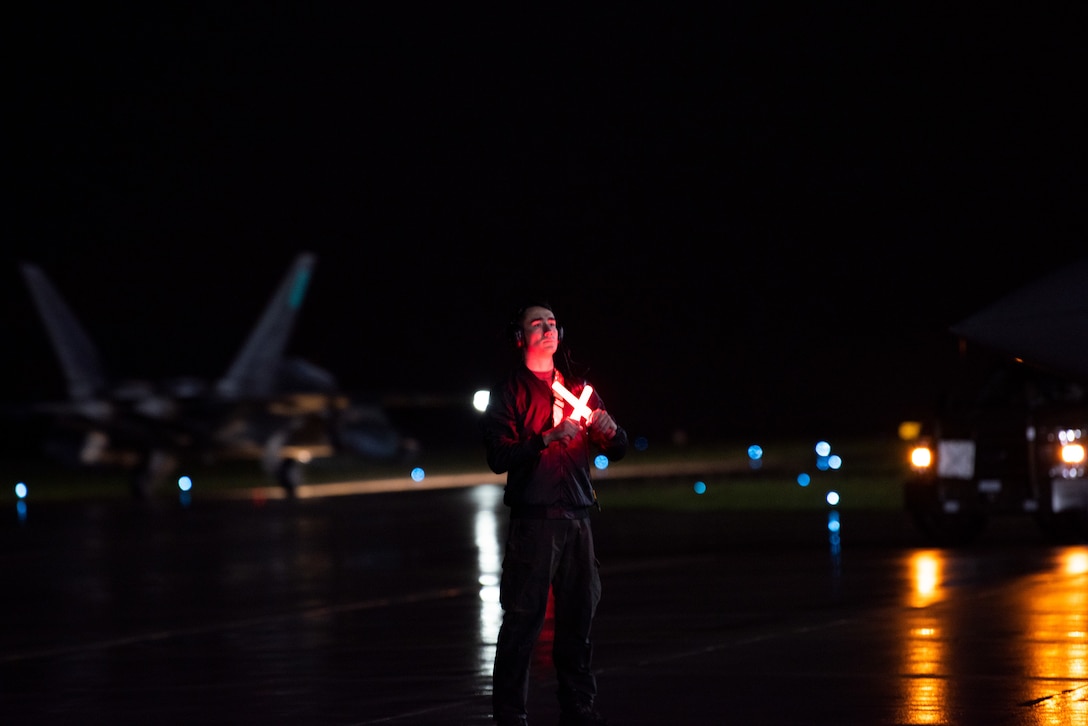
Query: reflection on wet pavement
[[1041, 641], [383, 609], [1054, 607], [490, 550]]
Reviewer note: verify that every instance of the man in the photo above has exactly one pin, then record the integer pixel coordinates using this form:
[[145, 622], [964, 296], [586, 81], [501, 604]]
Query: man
[[544, 446]]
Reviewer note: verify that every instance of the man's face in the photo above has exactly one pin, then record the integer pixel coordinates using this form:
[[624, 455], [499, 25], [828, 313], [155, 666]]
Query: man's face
[[540, 331]]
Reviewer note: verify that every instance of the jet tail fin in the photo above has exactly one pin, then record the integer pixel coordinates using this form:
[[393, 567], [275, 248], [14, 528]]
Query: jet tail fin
[[255, 369], [78, 356]]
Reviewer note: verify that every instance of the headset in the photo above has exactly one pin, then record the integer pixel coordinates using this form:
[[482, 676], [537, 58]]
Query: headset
[[517, 334]]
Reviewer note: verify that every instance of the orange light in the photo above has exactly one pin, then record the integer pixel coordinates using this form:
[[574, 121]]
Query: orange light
[[1073, 454], [581, 411], [921, 457]]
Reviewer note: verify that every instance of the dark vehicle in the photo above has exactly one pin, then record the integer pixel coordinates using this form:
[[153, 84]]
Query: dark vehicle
[[1013, 443], [1016, 449]]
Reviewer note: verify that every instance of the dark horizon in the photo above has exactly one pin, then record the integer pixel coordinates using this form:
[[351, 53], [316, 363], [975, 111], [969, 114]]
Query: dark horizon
[[744, 222]]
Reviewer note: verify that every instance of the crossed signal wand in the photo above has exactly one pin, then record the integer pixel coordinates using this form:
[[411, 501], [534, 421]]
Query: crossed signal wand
[[581, 410]]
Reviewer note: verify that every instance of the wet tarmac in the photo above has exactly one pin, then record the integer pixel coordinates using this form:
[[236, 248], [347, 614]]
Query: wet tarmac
[[382, 609]]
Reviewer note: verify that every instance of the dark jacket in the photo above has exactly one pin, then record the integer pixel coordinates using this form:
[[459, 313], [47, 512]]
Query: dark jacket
[[557, 476]]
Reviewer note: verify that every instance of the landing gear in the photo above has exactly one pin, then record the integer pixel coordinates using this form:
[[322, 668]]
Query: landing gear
[[289, 476], [156, 467]]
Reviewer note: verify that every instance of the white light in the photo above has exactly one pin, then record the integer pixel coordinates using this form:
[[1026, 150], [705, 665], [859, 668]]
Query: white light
[[185, 483], [480, 400], [832, 498], [823, 448], [1069, 435], [20, 490]]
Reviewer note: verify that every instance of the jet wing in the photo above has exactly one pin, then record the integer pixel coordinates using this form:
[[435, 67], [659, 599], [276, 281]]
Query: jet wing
[[1044, 323]]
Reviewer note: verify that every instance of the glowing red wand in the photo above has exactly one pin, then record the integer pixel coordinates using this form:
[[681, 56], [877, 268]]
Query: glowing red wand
[[581, 410]]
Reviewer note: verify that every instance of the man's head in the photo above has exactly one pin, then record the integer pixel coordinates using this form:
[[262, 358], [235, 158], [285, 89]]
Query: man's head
[[535, 330]]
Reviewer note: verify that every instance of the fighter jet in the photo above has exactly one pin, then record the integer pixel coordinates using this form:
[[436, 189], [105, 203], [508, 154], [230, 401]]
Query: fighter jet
[[282, 412]]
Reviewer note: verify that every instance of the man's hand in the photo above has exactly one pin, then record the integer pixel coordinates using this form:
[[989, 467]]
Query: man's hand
[[563, 433], [602, 424]]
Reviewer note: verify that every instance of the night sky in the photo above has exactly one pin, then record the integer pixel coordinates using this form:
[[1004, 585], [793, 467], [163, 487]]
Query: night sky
[[763, 217]]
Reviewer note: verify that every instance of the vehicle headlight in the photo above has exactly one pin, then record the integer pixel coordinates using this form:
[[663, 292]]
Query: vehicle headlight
[[1072, 453], [921, 457]]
